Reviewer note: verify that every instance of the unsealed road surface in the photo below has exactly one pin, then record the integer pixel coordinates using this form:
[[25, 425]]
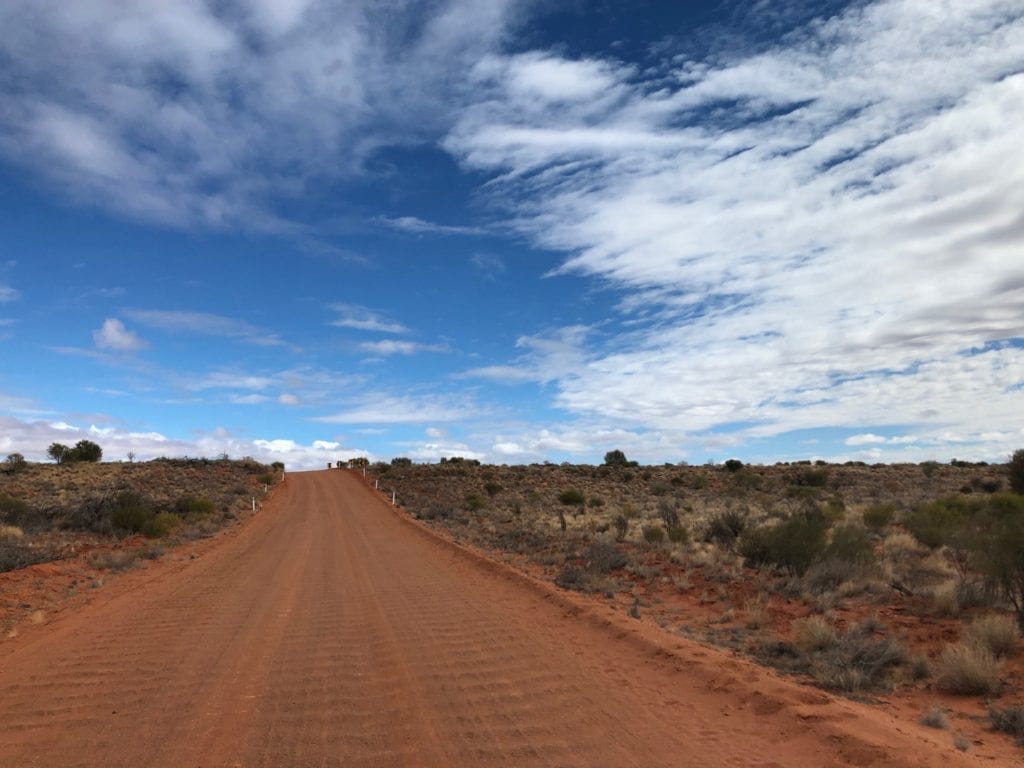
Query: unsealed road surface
[[332, 631]]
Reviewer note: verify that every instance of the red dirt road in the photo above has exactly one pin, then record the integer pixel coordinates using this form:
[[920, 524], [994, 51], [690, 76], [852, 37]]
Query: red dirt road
[[332, 631]]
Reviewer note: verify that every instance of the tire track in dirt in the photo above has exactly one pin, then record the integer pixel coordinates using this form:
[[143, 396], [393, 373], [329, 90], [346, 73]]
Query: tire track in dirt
[[331, 631]]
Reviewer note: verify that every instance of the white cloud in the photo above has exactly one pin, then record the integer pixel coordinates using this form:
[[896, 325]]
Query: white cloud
[[204, 323], [420, 227], [489, 263], [114, 336], [393, 347], [363, 319], [385, 409], [251, 399], [7, 293], [31, 438], [812, 235], [865, 439], [287, 398], [202, 113]]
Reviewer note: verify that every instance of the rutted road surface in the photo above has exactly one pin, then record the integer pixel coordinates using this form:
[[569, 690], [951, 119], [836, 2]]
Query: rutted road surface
[[331, 631]]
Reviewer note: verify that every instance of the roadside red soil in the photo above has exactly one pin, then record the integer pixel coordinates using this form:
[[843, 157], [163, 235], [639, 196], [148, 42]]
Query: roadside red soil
[[332, 630]]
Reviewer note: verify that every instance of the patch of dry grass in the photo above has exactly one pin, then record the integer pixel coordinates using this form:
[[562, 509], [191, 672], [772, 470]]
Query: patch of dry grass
[[996, 632], [814, 633], [967, 669]]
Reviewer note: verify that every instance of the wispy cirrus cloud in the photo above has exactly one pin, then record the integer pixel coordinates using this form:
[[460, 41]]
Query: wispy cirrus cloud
[[417, 226], [387, 347], [208, 114], [822, 232], [362, 319], [204, 323], [397, 409]]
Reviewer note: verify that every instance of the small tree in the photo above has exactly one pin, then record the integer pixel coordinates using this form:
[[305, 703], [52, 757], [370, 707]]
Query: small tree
[[615, 458], [86, 450], [1016, 471], [15, 462], [58, 452]]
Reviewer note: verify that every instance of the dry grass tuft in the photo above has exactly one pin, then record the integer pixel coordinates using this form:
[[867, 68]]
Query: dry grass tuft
[[814, 633], [967, 669], [10, 532], [996, 632], [935, 718]]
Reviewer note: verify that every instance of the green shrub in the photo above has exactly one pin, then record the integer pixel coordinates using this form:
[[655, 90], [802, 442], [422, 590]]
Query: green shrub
[[401, 461], [572, 497], [621, 524], [492, 488], [811, 478], [653, 534], [850, 544], [130, 513], [733, 465], [193, 507], [938, 523], [13, 511], [794, 544], [1015, 470], [678, 534], [160, 525], [878, 516], [473, 502]]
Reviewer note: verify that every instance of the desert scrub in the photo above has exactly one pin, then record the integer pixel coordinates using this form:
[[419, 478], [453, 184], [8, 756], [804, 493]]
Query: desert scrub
[[967, 669], [572, 497], [999, 634], [653, 534], [934, 718], [193, 508], [725, 527], [159, 526], [814, 633], [858, 663], [14, 554], [878, 516], [1009, 720], [602, 557], [114, 560], [793, 545], [130, 513]]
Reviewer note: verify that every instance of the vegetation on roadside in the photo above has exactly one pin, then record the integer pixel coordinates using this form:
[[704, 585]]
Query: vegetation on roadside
[[833, 544], [181, 498]]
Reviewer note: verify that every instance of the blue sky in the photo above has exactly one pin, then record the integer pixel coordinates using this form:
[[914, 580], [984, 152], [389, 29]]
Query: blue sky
[[306, 231]]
